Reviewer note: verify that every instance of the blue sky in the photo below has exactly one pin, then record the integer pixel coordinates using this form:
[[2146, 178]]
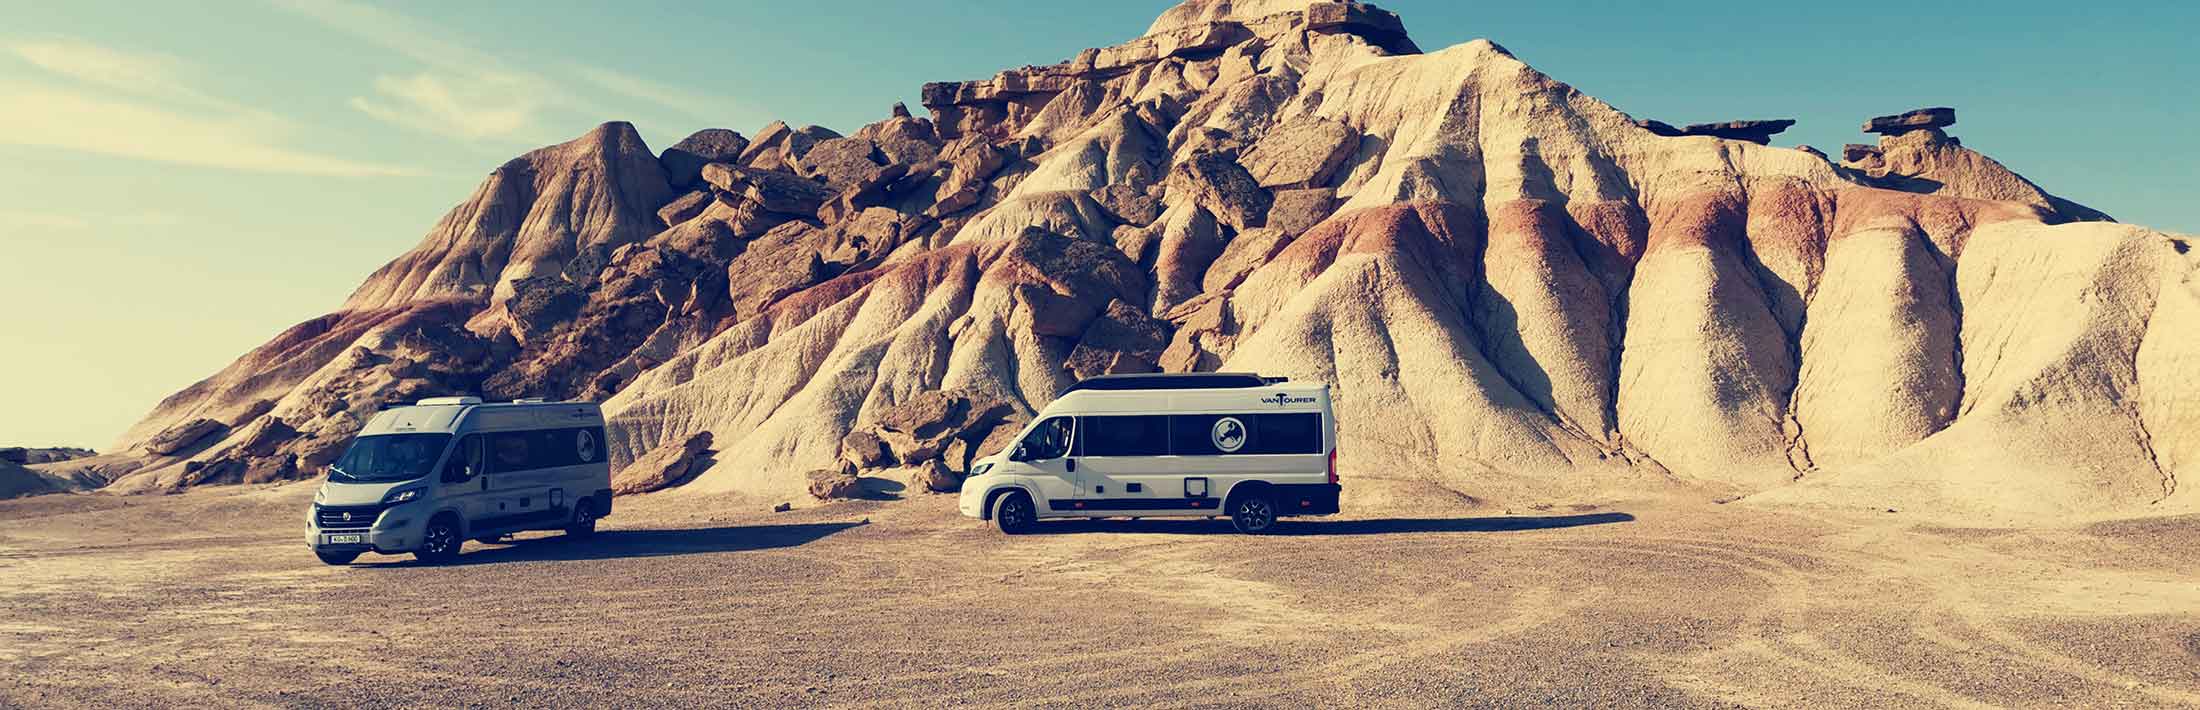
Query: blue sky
[[179, 182]]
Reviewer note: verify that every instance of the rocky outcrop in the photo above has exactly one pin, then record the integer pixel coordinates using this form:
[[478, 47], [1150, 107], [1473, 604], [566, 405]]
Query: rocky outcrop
[[184, 437], [663, 467], [19, 455], [1915, 154], [927, 441], [1759, 132], [1920, 119]]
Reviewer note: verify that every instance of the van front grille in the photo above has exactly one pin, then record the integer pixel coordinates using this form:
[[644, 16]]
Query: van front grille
[[346, 517]]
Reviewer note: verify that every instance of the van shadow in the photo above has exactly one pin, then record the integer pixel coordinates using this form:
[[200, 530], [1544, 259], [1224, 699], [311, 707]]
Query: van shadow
[[629, 544], [1316, 528]]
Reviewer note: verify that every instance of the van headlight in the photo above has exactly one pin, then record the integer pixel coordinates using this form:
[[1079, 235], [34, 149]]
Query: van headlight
[[980, 470], [403, 495]]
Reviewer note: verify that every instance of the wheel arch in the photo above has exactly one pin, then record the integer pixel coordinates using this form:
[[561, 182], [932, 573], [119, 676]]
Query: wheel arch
[[993, 495], [1243, 487]]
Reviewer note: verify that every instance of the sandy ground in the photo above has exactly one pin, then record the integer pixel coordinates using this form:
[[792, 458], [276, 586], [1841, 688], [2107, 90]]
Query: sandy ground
[[209, 599]]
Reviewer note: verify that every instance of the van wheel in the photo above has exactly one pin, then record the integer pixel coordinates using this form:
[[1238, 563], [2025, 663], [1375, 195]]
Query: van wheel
[[1013, 514], [336, 558], [440, 542], [584, 520], [1253, 513]]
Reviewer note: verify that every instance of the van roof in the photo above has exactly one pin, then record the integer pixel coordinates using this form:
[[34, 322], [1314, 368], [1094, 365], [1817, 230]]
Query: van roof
[[1176, 381]]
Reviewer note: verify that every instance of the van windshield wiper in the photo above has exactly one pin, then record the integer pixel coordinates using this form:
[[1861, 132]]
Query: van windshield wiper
[[334, 471]]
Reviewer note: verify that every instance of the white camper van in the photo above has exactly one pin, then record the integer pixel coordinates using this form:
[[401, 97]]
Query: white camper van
[[1201, 444], [425, 478]]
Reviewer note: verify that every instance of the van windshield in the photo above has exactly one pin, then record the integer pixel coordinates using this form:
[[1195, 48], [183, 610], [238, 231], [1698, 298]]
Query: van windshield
[[388, 458]]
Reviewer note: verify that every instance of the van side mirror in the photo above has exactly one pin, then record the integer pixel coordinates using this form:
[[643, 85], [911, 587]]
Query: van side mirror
[[457, 472], [1019, 454]]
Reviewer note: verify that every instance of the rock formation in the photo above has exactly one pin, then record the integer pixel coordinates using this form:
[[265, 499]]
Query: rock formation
[[1519, 291]]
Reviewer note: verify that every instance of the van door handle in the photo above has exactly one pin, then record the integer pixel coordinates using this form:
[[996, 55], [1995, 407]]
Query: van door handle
[[485, 482], [1072, 465]]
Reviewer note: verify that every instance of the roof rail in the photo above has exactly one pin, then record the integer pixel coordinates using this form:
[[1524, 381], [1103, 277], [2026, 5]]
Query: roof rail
[[448, 401], [1175, 381]]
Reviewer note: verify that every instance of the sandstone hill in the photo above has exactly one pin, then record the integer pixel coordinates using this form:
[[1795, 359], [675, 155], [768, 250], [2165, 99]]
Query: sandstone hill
[[1521, 292]]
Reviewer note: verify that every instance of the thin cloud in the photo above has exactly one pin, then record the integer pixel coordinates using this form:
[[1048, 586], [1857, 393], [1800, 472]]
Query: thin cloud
[[463, 93], [693, 104], [143, 74], [73, 119], [468, 108], [19, 220]]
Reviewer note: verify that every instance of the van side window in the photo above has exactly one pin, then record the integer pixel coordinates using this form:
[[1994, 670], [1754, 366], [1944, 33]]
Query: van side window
[[1050, 440], [1266, 433], [1124, 436], [465, 461], [510, 451], [1287, 433]]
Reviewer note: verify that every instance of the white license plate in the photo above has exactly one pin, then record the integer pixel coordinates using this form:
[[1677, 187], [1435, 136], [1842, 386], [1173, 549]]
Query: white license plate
[[343, 539]]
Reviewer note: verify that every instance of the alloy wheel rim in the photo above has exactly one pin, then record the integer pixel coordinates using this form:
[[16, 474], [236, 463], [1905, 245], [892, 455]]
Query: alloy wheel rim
[[439, 538], [1256, 514]]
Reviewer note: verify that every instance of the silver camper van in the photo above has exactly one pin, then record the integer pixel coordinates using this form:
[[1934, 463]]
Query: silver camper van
[[1176, 445], [425, 478]]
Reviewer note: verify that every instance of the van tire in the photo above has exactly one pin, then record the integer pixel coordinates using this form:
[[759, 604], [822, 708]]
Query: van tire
[[1014, 514], [1253, 512], [584, 521], [440, 541], [337, 559]]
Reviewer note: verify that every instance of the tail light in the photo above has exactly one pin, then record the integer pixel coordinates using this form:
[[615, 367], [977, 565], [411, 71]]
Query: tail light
[[1332, 465]]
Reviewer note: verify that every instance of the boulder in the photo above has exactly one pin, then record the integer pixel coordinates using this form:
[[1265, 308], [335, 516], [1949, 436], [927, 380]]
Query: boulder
[[863, 449], [1122, 340], [840, 163], [903, 140], [1205, 332], [1061, 283], [867, 238], [957, 456], [871, 190], [777, 147], [998, 438], [1217, 183], [1248, 251], [834, 484], [1303, 152], [663, 467], [1296, 211], [971, 162], [183, 437], [1860, 153], [687, 207], [780, 192], [1136, 243], [1924, 118], [1127, 204], [778, 263], [931, 476], [684, 161]]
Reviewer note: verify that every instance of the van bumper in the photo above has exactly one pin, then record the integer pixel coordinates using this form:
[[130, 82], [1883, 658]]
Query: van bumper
[[1308, 499], [397, 530]]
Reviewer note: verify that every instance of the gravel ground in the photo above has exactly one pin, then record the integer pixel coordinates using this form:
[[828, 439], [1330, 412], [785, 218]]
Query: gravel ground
[[210, 599]]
